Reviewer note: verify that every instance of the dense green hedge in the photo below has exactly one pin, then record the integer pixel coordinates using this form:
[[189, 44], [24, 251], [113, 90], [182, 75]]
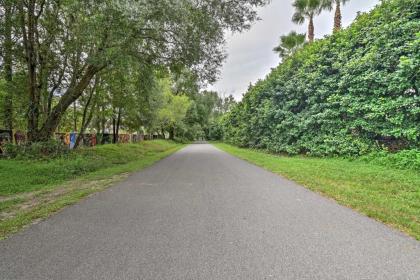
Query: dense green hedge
[[348, 94]]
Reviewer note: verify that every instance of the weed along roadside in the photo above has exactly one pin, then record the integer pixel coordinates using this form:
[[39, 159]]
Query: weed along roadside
[[34, 189], [387, 194]]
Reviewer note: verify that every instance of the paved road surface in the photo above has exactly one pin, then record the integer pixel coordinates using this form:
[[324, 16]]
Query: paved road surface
[[203, 214]]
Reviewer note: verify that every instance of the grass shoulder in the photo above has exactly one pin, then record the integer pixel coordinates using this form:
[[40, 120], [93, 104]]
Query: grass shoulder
[[34, 189], [386, 194]]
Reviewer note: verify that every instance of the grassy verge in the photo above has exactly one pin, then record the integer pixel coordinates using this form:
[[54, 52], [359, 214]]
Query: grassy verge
[[385, 194], [32, 190]]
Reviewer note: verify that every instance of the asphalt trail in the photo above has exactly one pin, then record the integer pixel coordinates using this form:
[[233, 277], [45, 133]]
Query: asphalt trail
[[203, 214]]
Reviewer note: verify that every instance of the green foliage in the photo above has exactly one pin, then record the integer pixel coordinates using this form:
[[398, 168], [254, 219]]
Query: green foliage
[[407, 159], [173, 111], [50, 65], [215, 130], [205, 108], [39, 150], [289, 44], [349, 94], [307, 8]]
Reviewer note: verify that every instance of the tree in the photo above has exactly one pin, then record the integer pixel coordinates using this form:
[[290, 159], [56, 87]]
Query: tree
[[8, 10], [289, 44], [202, 111], [173, 112], [337, 15], [307, 10], [65, 44], [228, 103]]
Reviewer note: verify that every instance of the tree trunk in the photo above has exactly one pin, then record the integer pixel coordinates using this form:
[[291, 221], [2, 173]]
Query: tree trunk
[[33, 113], [74, 117], [311, 29], [55, 86], [337, 17], [114, 138], [70, 96], [85, 118], [172, 133], [7, 65], [117, 131], [103, 120], [28, 22]]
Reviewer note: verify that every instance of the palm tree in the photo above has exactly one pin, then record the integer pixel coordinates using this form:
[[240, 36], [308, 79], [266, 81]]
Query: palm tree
[[307, 10], [289, 44], [337, 15]]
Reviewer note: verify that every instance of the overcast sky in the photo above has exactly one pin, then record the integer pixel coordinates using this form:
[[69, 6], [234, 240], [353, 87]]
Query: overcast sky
[[250, 55]]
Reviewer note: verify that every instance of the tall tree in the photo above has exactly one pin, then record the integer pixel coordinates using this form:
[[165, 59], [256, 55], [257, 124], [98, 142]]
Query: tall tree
[[289, 44], [307, 10], [174, 110], [8, 10], [337, 14]]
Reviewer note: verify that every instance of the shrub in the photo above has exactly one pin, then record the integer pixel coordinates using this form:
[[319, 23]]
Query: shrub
[[350, 94], [215, 131], [38, 150], [407, 159]]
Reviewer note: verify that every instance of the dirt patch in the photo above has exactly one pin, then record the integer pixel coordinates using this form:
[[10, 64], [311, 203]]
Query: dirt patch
[[29, 201]]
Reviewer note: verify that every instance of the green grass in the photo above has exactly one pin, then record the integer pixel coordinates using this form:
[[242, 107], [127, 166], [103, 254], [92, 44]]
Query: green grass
[[20, 176], [386, 194], [31, 190]]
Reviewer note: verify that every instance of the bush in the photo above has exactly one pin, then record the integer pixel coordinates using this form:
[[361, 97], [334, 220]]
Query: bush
[[407, 159], [39, 150], [349, 94]]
